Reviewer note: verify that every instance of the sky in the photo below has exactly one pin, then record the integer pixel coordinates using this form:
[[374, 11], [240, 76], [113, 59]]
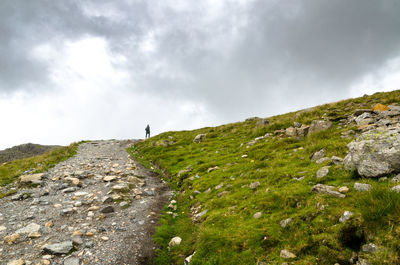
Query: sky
[[94, 69]]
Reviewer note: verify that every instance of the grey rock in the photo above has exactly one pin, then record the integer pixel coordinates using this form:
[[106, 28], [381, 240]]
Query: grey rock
[[71, 261], [320, 125], [219, 186], [31, 228], [286, 254], [375, 153], [396, 188], [59, 248], [302, 131], [321, 188], [67, 211], [291, 132], [122, 187], [369, 248], [362, 186], [337, 160], [322, 172], [286, 222], [107, 199], [297, 124], [257, 215], [107, 209], [346, 216], [69, 190], [362, 262], [360, 119], [318, 155], [255, 185], [323, 160], [199, 138], [396, 178]]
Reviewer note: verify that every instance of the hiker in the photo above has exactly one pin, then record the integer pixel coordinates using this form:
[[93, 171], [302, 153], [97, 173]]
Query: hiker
[[147, 129]]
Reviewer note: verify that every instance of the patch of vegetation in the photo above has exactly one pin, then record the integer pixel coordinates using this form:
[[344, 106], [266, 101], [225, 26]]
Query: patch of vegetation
[[9, 171], [229, 234]]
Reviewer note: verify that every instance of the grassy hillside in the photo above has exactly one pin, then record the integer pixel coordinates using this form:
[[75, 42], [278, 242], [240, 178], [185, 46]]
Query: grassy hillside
[[228, 233], [24, 151], [9, 171]]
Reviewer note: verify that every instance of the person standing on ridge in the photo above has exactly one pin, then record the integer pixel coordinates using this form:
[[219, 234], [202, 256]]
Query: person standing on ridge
[[147, 129]]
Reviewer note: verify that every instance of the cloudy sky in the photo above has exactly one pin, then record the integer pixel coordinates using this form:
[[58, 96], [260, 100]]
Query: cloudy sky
[[97, 69]]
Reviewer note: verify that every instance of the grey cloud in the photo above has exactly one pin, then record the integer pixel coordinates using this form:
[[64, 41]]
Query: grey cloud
[[241, 61]]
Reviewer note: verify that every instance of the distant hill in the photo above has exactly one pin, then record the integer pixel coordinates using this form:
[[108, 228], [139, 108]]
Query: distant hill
[[24, 151]]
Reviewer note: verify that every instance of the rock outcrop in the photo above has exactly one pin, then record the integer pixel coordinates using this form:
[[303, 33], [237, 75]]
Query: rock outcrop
[[375, 153]]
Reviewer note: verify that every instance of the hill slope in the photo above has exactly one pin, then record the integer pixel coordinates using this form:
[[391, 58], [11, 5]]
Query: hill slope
[[247, 193], [24, 151]]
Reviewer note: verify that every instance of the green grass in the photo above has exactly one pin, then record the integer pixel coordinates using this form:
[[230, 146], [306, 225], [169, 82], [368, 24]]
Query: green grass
[[11, 170], [228, 233]]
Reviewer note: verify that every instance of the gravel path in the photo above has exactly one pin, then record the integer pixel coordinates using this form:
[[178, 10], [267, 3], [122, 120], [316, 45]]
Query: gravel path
[[99, 207]]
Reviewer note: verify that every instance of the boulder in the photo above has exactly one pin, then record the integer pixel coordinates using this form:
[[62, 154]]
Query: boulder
[[302, 131], [199, 138], [320, 125], [375, 153]]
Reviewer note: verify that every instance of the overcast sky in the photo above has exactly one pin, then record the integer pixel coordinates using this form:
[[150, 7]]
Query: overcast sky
[[95, 69]]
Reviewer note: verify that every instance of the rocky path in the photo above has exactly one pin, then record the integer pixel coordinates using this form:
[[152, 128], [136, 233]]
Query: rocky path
[[99, 207]]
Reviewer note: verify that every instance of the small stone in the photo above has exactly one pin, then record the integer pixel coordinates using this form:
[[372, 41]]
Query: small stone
[[80, 193], [362, 186], [45, 262], [286, 222], [10, 239], [107, 199], [322, 172], [34, 235], [122, 187], [323, 160], [104, 238], [396, 178], [337, 160], [257, 215], [254, 185], [175, 241], [109, 178], [57, 205], [244, 156], [343, 189], [2, 228], [31, 179], [286, 254], [107, 209], [29, 229], [67, 211], [199, 138], [346, 216], [396, 188], [89, 234], [77, 233], [71, 261], [93, 208], [219, 186], [123, 204], [69, 190], [49, 224], [369, 248], [77, 240], [16, 262], [318, 155], [59, 248]]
